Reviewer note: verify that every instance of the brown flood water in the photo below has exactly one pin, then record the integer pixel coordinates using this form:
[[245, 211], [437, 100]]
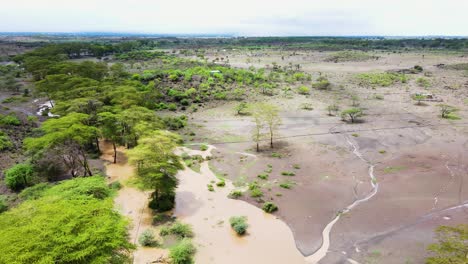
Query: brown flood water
[[269, 240], [130, 202]]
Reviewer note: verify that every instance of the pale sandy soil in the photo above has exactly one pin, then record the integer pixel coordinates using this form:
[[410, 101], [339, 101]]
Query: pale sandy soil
[[419, 158], [132, 203], [268, 239]]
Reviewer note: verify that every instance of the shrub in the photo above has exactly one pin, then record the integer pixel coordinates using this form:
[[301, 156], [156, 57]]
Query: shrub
[[161, 218], [147, 239], [5, 142], [235, 194], [446, 111], [263, 176], [203, 147], [182, 252], [269, 207], [322, 83], [286, 185], [9, 120], [296, 166], [221, 184], [172, 107], [178, 229], [256, 193], [19, 176], [303, 90], [210, 187], [288, 173], [239, 224], [115, 185]]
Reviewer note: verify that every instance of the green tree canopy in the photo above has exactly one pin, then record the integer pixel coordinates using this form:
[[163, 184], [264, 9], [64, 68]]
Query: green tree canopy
[[72, 222]]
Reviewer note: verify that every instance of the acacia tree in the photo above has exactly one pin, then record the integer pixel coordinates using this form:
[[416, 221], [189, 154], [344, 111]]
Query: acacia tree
[[266, 116], [157, 166], [452, 246], [419, 98], [111, 129], [68, 138], [352, 113], [257, 131]]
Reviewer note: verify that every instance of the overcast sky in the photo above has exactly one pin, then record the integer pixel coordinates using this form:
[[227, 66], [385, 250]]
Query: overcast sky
[[239, 17]]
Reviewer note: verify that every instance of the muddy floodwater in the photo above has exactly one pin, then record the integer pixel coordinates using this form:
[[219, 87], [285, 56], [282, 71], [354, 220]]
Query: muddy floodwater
[[131, 202], [268, 239]]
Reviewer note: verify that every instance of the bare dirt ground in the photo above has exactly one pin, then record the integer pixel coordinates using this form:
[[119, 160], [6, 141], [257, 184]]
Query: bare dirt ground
[[420, 159], [268, 240], [132, 203]]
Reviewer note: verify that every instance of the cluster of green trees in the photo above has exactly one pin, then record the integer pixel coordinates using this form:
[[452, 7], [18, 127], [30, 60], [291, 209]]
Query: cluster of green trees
[[71, 222]]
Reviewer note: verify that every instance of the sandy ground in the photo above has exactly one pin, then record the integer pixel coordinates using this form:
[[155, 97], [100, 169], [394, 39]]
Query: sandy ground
[[132, 203], [419, 158], [268, 240]]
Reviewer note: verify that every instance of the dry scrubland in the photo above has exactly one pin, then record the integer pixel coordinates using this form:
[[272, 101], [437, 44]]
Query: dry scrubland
[[389, 178], [420, 158]]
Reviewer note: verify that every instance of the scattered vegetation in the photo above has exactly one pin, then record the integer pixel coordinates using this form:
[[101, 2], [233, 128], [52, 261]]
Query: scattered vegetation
[[239, 224], [147, 239], [269, 207], [380, 79]]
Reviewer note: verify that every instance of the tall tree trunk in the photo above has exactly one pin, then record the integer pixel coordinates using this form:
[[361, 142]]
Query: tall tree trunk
[[115, 152]]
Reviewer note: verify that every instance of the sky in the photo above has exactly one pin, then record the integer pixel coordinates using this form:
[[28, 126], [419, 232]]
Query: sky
[[240, 17]]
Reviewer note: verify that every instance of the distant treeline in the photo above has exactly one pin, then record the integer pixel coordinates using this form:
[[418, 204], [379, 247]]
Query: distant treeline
[[105, 46]]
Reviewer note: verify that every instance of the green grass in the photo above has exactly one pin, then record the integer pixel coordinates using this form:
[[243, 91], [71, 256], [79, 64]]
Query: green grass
[[380, 79]]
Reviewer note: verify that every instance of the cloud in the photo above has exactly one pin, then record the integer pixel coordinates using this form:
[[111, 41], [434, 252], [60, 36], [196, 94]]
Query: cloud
[[241, 17]]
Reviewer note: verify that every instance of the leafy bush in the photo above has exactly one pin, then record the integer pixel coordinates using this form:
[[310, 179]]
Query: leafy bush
[[115, 185], [203, 147], [175, 123], [322, 83], [256, 193], [269, 207], [147, 239], [286, 185], [172, 107], [210, 187], [239, 224], [19, 176], [288, 173], [9, 120], [5, 142], [263, 176], [221, 184], [303, 90], [182, 252], [178, 229], [235, 194]]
